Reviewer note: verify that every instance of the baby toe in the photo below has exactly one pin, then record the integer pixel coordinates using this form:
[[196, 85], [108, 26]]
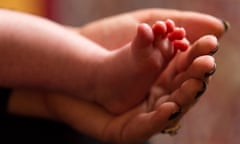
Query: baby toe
[[177, 34], [159, 29], [170, 25], [181, 45]]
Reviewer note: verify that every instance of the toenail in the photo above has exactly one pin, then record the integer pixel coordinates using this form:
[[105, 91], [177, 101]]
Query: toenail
[[214, 51], [211, 72], [200, 93], [175, 115], [226, 25]]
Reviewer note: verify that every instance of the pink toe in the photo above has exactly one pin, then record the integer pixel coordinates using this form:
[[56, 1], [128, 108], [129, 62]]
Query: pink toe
[[160, 29], [170, 25], [177, 34], [181, 45], [144, 37]]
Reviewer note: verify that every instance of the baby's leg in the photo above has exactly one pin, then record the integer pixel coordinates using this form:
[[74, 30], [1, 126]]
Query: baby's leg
[[128, 73]]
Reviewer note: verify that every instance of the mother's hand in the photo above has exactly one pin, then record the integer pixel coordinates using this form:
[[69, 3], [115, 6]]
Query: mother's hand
[[113, 32], [167, 104], [177, 89], [151, 116], [116, 31]]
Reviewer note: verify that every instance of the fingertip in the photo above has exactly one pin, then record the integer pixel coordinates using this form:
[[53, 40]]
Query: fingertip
[[211, 38], [203, 46], [209, 41], [166, 111], [159, 119], [226, 25]]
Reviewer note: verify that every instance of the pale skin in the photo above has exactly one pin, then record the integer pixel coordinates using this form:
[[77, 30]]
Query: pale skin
[[206, 62], [133, 69], [58, 57], [149, 117]]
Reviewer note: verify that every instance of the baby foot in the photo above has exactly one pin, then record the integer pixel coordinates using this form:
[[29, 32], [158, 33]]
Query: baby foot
[[128, 73]]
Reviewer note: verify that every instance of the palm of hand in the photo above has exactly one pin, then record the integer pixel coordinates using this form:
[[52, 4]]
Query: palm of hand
[[170, 91], [156, 112]]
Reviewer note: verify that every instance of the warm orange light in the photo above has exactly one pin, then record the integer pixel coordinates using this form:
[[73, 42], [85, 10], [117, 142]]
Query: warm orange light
[[37, 7]]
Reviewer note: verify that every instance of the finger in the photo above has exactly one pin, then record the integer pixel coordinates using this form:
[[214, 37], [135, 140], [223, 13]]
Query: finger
[[204, 46], [201, 68], [183, 60], [187, 96], [146, 125], [188, 92], [196, 24]]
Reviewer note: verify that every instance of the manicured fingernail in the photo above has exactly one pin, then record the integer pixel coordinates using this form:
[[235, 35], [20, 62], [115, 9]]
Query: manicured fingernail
[[214, 51], [175, 115], [211, 72], [200, 93], [226, 25]]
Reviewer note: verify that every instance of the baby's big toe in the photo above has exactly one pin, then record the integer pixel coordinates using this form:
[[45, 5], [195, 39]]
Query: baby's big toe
[[144, 37], [142, 44]]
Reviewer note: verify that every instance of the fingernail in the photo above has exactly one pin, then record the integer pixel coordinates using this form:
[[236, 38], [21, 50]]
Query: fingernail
[[211, 72], [200, 93], [214, 51], [226, 25], [175, 115]]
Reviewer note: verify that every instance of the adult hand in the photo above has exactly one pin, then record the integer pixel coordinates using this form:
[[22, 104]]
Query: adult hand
[[113, 32], [116, 31], [174, 93], [169, 98]]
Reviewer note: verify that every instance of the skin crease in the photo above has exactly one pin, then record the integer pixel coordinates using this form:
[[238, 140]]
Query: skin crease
[[71, 116]]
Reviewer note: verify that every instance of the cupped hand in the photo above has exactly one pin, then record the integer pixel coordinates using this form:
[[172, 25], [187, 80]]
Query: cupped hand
[[176, 90], [189, 67]]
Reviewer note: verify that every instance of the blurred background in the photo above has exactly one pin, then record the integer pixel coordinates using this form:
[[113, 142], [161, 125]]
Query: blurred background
[[214, 120]]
